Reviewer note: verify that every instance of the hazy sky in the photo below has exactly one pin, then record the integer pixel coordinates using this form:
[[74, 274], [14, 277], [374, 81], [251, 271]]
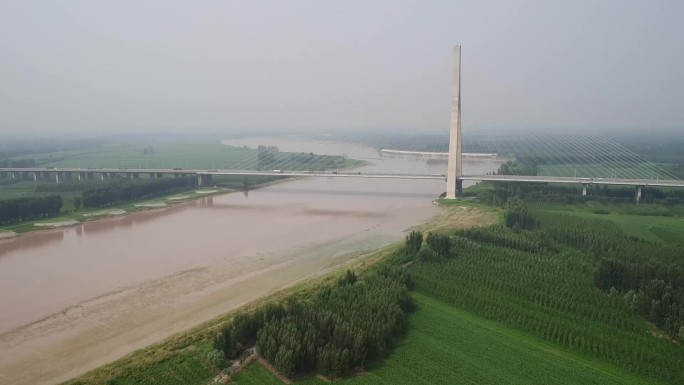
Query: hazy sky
[[324, 65]]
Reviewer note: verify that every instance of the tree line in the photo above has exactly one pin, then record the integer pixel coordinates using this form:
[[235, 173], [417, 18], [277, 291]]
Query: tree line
[[652, 290], [501, 192], [338, 329], [24, 209], [127, 191]]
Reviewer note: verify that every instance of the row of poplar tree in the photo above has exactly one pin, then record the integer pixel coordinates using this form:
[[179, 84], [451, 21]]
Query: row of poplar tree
[[24, 209], [340, 328]]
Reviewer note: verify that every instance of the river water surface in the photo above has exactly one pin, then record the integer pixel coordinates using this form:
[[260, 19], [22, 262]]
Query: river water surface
[[72, 299]]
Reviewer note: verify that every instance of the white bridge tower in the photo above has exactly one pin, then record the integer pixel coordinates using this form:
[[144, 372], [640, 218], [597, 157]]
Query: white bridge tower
[[455, 165]]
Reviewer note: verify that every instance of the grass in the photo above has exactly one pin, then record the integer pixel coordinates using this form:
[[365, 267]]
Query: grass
[[185, 368]]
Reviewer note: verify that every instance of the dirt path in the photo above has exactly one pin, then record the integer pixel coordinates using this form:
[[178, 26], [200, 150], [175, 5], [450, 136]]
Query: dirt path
[[273, 370]]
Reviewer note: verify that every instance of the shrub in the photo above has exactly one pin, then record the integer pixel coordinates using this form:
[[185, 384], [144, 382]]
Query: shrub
[[439, 243], [414, 241]]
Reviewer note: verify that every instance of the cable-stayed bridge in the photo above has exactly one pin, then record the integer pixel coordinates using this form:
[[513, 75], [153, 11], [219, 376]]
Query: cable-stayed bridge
[[568, 157]]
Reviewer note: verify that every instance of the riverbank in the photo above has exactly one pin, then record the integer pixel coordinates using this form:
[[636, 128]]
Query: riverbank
[[77, 217], [74, 218], [197, 340]]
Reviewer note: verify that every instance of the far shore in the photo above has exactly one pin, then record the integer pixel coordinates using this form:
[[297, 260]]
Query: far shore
[[77, 217]]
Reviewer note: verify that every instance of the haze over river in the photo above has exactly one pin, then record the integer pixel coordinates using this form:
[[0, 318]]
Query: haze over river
[[75, 298]]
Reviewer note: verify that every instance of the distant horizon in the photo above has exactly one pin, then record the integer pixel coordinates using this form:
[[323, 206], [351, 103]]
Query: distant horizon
[[270, 66]]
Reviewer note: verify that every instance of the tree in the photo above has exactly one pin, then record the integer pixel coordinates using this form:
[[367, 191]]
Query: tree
[[517, 216], [77, 203], [414, 241], [439, 243]]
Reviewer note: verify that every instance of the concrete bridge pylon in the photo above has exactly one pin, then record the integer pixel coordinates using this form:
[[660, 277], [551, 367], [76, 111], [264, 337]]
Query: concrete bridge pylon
[[455, 162]]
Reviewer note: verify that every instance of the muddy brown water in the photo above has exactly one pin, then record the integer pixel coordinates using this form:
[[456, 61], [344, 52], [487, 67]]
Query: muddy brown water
[[75, 298]]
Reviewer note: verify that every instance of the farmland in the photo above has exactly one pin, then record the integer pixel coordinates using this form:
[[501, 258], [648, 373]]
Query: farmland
[[508, 306], [447, 345], [200, 152]]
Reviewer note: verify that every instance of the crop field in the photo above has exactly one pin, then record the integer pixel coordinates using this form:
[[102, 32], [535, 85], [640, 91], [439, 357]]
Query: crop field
[[668, 229]]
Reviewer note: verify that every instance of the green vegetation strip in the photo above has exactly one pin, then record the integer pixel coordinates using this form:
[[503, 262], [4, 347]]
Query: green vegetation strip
[[446, 345]]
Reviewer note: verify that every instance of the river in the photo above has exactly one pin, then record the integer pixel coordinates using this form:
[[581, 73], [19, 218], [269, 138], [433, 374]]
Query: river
[[75, 298]]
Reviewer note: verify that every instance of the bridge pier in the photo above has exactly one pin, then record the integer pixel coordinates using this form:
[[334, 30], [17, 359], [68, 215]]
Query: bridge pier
[[205, 180], [584, 189], [637, 194], [58, 177]]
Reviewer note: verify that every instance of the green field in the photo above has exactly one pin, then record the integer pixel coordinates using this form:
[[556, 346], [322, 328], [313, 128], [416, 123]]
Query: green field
[[446, 345], [521, 314], [668, 229]]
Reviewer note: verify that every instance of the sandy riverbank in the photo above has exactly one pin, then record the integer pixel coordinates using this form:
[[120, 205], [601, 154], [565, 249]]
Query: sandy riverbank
[[105, 328]]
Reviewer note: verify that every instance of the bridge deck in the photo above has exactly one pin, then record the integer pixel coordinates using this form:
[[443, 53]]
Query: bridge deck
[[357, 174]]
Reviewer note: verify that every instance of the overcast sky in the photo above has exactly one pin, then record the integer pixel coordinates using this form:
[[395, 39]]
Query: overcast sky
[[326, 65]]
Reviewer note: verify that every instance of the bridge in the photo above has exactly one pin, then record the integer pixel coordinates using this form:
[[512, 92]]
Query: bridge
[[454, 174]]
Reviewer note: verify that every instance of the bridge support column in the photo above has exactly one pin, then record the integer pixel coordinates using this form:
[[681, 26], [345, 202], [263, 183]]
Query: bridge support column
[[15, 175], [584, 189], [637, 194], [81, 176], [205, 180], [58, 177], [454, 166], [36, 176]]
